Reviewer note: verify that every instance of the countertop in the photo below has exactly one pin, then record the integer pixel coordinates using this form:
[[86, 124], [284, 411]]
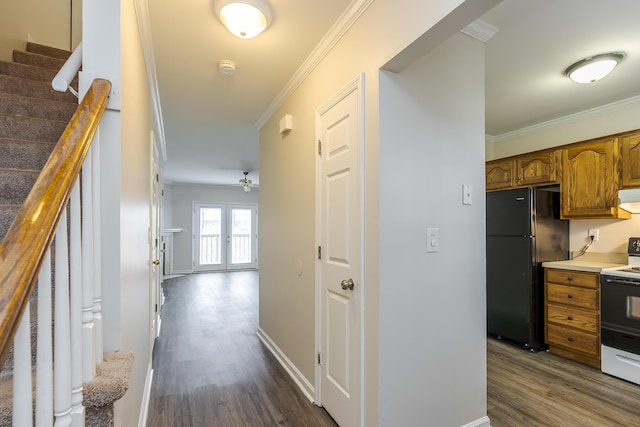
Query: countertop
[[593, 262]]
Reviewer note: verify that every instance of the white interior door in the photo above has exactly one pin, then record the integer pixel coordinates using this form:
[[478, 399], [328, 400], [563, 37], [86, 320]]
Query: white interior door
[[339, 126], [155, 234]]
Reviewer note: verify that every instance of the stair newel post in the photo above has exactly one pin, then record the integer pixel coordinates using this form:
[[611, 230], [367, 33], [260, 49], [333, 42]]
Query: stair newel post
[[97, 246], [88, 325], [75, 240], [62, 336], [22, 411], [44, 350]]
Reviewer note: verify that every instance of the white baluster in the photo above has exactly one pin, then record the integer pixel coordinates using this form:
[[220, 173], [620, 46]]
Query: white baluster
[[22, 400], [97, 242], [62, 348], [44, 351], [77, 410], [88, 325]]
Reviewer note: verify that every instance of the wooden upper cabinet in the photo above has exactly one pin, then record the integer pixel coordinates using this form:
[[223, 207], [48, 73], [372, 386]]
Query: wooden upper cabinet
[[590, 180], [500, 174], [537, 168], [630, 155]]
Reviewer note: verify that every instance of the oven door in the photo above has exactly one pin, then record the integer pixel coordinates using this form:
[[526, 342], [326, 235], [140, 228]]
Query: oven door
[[620, 313]]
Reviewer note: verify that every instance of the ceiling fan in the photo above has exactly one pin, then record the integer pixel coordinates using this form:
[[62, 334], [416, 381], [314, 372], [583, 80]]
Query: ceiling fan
[[246, 183]]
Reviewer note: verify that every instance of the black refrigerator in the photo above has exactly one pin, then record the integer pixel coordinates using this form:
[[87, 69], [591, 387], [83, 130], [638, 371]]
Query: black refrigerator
[[523, 231]]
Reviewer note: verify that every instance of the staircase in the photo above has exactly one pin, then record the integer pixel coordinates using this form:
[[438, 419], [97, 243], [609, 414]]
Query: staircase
[[32, 118]]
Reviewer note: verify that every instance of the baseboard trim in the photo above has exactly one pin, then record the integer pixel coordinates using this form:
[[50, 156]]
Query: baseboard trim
[[305, 386], [146, 396], [482, 422]]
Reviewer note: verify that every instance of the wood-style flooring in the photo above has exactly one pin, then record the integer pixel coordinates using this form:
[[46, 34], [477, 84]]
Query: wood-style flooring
[[544, 390], [210, 368]]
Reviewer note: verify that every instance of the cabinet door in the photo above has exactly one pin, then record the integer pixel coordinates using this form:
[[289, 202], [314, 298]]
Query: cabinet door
[[500, 174], [630, 160], [589, 184], [536, 169]]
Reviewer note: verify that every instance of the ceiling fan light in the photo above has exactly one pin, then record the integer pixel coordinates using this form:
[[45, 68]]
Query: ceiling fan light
[[594, 68], [244, 18]]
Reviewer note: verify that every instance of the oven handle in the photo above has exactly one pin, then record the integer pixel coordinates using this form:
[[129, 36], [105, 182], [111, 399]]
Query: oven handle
[[620, 281]]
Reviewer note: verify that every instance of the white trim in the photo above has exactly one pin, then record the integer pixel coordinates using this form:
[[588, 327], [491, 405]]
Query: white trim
[[146, 396], [481, 422], [612, 107], [342, 25], [305, 386], [480, 30], [179, 272]]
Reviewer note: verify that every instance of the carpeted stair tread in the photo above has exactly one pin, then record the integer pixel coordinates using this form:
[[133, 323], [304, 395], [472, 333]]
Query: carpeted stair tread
[[18, 154], [7, 214], [25, 71], [37, 60], [33, 89], [53, 52], [15, 127], [15, 185], [36, 107]]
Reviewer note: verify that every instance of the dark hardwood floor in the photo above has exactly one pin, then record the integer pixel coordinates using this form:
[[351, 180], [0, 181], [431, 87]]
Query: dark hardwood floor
[[544, 390], [210, 368]]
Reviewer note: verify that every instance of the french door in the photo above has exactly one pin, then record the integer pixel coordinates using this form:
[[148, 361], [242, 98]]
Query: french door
[[225, 237]]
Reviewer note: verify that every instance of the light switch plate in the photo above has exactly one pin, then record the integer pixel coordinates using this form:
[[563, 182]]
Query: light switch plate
[[466, 194], [432, 240]]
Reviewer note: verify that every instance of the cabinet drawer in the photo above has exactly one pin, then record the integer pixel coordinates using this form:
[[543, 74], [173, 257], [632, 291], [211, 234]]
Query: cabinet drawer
[[564, 316], [574, 278], [571, 295], [574, 340]]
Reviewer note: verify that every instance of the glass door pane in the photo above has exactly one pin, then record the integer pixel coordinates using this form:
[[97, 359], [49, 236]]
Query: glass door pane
[[242, 247], [209, 238]]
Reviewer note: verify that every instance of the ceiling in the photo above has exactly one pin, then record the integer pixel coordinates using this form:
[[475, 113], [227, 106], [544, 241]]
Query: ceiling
[[211, 120]]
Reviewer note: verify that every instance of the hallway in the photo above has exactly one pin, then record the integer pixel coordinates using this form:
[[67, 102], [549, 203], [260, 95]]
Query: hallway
[[210, 368]]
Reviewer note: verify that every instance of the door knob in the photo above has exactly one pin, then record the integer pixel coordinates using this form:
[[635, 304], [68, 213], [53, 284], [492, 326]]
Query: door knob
[[156, 262], [347, 284]]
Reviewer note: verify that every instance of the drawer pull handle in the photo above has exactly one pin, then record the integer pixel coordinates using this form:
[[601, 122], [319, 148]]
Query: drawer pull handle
[[569, 317], [569, 296], [570, 339], [569, 278]]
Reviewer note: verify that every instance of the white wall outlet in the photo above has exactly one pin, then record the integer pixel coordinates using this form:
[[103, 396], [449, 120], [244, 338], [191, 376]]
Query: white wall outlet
[[432, 240], [466, 194], [595, 232]]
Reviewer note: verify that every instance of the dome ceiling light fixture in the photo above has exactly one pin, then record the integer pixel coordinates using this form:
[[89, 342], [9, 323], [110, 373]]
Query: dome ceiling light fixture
[[246, 182], [227, 67], [593, 68], [244, 18]]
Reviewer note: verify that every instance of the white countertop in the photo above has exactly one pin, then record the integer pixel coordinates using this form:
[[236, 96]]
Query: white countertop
[[594, 262]]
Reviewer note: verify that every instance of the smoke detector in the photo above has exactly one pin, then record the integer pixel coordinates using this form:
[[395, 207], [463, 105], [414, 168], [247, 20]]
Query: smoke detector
[[227, 67]]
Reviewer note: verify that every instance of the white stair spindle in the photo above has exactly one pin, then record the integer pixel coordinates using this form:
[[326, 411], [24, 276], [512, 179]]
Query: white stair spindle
[[88, 325], [97, 242], [44, 351], [77, 410], [22, 401], [62, 348]]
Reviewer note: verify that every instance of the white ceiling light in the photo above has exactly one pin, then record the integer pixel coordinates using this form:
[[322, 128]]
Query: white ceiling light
[[593, 68], [244, 18], [246, 183], [226, 66]]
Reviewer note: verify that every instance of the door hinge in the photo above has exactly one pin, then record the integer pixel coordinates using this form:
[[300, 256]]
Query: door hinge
[[319, 148], [319, 359], [319, 252], [156, 308], [157, 177]]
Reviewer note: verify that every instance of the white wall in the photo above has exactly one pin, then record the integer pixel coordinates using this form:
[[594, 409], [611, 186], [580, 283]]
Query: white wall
[[432, 306], [288, 209], [179, 200], [45, 22]]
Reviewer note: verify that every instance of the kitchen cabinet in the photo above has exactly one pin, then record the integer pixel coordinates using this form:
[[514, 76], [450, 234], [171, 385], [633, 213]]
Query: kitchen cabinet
[[500, 174], [538, 168], [630, 156], [590, 180], [572, 314]]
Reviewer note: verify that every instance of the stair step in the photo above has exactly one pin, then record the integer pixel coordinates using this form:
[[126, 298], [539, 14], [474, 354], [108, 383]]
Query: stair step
[[37, 60], [15, 185], [7, 214], [53, 52], [33, 128], [33, 89], [30, 72], [17, 105], [18, 154]]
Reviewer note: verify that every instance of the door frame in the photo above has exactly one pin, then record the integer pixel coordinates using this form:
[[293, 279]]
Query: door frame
[[196, 236], [355, 85]]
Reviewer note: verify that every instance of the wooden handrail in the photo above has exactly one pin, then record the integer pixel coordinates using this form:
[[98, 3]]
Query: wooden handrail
[[31, 233]]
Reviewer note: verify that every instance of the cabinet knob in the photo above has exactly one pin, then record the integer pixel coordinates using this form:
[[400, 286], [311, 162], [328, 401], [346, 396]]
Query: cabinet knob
[[569, 279], [570, 339], [569, 317], [569, 296]]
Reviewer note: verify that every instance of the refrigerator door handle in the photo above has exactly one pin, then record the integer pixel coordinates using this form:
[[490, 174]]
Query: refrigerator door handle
[[519, 199]]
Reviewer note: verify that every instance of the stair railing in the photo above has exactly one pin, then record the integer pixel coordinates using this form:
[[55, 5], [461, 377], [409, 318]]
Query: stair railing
[[40, 229], [62, 81]]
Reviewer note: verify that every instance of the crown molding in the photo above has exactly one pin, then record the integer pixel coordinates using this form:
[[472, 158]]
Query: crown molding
[[607, 108], [333, 36], [480, 30]]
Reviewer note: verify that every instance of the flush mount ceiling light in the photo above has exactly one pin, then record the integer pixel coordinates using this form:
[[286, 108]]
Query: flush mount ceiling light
[[244, 18], [246, 183], [593, 68], [226, 66]]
